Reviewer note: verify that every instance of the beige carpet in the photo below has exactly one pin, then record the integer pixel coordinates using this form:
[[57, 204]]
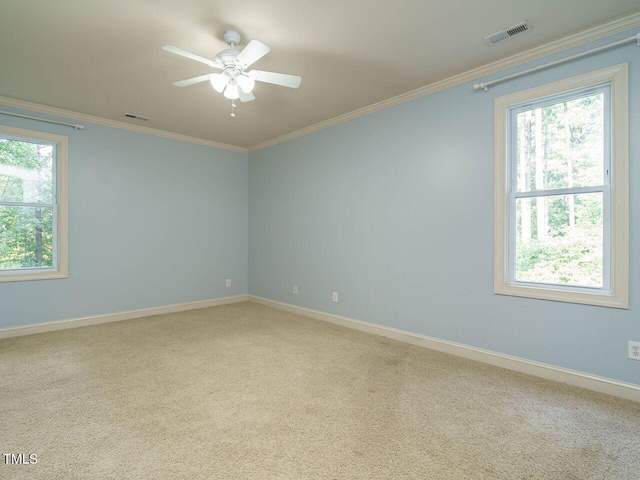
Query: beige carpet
[[248, 392]]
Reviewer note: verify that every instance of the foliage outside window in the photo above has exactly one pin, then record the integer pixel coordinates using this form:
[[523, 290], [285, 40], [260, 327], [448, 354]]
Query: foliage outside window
[[562, 191], [33, 205]]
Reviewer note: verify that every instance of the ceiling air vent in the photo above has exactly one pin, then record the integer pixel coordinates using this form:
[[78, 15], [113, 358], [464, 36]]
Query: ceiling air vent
[[136, 117], [507, 33]]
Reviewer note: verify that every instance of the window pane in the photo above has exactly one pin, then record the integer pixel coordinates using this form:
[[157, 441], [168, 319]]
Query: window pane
[[26, 172], [26, 239], [561, 145], [559, 240]]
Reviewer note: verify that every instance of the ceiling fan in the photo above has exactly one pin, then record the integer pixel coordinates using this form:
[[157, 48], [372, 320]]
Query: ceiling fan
[[234, 80]]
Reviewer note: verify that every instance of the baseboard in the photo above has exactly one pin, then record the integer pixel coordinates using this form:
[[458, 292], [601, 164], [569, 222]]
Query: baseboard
[[575, 378], [116, 317]]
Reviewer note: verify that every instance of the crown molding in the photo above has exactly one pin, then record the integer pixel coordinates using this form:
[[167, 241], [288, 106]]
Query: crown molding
[[59, 112], [564, 43]]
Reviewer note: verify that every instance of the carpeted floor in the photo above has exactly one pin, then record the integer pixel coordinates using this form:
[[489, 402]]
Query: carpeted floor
[[244, 391]]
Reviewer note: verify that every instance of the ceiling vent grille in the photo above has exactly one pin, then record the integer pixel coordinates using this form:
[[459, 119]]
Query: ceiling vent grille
[[136, 117], [507, 33]]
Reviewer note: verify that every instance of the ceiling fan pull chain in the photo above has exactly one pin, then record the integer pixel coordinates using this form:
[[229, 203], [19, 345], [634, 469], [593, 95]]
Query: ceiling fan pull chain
[[233, 105]]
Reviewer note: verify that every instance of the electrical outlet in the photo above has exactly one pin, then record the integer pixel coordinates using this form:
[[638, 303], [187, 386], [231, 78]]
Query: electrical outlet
[[295, 289], [228, 282], [634, 350], [335, 296]]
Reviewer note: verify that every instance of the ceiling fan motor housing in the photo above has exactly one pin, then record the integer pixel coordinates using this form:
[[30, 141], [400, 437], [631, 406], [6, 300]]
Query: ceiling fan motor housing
[[232, 37], [227, 57]]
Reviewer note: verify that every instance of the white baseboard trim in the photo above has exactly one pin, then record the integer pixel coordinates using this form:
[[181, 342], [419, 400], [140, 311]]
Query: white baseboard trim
[[116, 317], [575, 378]]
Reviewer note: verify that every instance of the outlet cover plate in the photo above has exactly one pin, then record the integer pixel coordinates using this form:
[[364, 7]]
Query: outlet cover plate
[[634, 350]]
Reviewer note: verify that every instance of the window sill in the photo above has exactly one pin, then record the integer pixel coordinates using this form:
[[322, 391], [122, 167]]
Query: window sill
[[33, 275], [598, 299]]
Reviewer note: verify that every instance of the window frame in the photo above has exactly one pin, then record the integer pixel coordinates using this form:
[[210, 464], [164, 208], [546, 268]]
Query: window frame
[[59, 268], [615, 291]]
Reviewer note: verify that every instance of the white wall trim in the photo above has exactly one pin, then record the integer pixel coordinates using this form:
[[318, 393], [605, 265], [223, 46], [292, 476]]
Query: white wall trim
[[542, 51], [116, 317], [575, 378], [550, 372], [59, 112]]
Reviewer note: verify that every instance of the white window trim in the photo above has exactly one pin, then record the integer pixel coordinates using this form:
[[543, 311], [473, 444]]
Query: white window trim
[[61, 226], [618, 297]]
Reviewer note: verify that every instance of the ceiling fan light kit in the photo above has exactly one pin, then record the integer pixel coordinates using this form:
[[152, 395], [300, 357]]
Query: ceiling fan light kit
[[231, 92], [235, 82], [245, 82], [218, 81]]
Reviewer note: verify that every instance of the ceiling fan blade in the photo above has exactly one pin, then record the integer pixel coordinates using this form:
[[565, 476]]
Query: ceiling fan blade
[[245, 97], [191, 81], [192, 56], [282, 79], [252, 53]]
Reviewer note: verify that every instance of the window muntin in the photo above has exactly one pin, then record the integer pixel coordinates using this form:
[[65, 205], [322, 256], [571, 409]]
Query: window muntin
[[33, 205]]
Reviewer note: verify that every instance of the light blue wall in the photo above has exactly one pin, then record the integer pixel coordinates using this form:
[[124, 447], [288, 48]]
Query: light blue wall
[[394, 211], [152, 222]]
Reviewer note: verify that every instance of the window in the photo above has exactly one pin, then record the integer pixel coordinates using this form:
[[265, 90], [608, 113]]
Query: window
[[562, 191], [33, 205]]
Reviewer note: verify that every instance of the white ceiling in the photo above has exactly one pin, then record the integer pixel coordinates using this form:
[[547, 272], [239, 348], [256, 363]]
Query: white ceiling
[[104, 58]]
